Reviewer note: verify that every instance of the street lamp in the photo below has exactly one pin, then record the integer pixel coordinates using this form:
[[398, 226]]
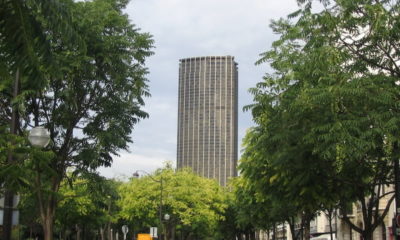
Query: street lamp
[[136, 175], [166, 218], [38, 137]]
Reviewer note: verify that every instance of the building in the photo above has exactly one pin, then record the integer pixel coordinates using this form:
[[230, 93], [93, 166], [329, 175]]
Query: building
[[320, 227], [207, 116]]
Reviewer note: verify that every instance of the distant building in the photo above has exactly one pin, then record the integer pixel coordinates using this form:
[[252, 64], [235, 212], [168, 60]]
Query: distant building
[[320, 227], [207, 116]]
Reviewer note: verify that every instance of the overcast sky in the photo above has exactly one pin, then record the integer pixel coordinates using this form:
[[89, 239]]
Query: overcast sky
[[188, 28]]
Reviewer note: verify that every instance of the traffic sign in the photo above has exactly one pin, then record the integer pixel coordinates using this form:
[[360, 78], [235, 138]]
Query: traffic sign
[[153, 232], [125, 231]]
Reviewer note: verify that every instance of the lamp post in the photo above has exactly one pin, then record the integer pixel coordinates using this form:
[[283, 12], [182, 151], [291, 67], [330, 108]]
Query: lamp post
[[8, 194], [136, 175], [166, 218], [38, 137]]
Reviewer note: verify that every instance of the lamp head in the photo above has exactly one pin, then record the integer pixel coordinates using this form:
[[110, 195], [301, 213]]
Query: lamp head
[[39, 137], [167, 217]]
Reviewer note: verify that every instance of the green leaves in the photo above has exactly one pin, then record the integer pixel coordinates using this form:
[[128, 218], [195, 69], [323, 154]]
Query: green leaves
[[26, 29], [323, 117], [195, 204], [88, 91]]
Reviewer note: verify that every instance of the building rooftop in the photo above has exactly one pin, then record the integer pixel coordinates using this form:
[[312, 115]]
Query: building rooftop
[[203, 57]]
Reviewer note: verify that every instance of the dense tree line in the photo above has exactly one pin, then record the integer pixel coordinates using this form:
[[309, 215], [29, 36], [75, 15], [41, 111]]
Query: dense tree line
[[327, 118], [93, 207]]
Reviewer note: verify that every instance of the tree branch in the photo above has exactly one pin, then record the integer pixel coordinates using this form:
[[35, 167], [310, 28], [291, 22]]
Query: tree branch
[[365, 59]]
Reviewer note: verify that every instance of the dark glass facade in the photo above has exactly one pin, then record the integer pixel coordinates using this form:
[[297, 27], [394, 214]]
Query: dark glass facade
[[207, 116]]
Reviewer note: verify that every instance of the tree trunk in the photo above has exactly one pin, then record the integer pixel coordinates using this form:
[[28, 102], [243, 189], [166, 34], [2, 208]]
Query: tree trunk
[[253, 235], [274, 232], [102, 233], [48, 227], [306, 226], [366, 235], [78, 232], [47, 210], [173, 231], [307, 231], [330, 226], [293, 231], [185, 235]]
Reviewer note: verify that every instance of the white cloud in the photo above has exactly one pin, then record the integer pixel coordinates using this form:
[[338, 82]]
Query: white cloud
[[186, 28], [127, 163]]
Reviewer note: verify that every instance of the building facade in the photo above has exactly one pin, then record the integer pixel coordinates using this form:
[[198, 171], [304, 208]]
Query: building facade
[[320, 227], [207, 116]]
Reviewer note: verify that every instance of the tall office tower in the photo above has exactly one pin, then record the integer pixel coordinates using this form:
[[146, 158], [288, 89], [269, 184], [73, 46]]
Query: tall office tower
[[207, 116]]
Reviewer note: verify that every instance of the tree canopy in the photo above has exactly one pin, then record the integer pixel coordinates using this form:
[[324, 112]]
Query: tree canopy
[[327, 118], [90, 104], [195, 204], [25, 42]]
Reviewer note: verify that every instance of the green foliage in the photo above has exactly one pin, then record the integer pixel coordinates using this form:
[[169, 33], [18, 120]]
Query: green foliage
[[250, 212], [195, 204], [86, 201], [90, 104], [26, 28], [13, 175], [227, 227], [327, 117]]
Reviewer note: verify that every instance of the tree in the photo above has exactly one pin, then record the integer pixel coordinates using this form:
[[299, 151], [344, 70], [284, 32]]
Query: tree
[[250, 213], [25, 51], [327, 118], [92, 104], [227, 228], [195, 204], [84, 206], [364, 34], [25, 28], [276, 182]]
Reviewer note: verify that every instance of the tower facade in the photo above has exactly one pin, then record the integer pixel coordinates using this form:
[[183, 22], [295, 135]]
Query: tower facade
[[207, 116]]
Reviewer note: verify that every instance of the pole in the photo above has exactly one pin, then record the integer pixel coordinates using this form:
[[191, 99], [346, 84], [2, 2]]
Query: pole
[[7, 214], [8, 194], [397, 190], [160, 231], [161, 203]]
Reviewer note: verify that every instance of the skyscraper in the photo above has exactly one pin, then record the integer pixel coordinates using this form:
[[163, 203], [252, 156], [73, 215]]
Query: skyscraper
[[207, 116]]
